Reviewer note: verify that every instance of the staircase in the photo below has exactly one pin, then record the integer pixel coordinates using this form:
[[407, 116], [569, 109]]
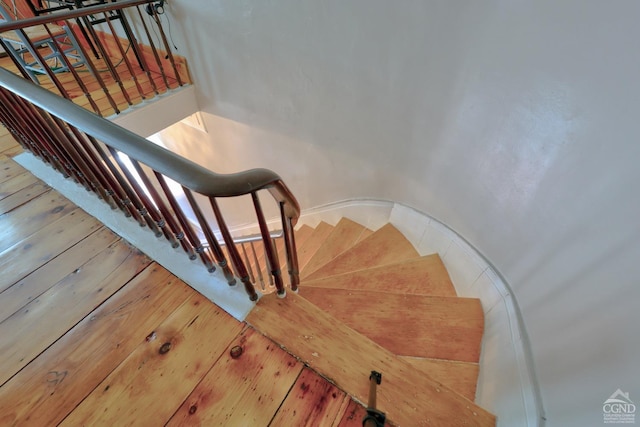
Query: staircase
[[369, 301]]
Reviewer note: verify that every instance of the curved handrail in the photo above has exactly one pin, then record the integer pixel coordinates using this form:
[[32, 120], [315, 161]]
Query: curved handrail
[[68, 14], [184, 171], [85, 146]]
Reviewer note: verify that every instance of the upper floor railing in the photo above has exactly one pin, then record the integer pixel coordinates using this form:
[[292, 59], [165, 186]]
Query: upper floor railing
[[93, 151], [106, 57]]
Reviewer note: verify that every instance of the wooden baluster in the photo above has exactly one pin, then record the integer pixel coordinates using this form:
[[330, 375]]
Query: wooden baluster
[[128, 197], [169, 227], [145, 207], [236, 259], [45, 66], [72, 69], [107, 60], [258, 268], [153, 49], [123, 53], [166, 46], [40, 128], [143, 59], [248, 264], [193, 243], [290, 249], [102, 174], [270, 253], [83, 162], [214, 246]]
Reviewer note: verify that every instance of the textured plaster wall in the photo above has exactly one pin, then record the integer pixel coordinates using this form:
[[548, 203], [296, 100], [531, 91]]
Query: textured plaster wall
[[514, 122]]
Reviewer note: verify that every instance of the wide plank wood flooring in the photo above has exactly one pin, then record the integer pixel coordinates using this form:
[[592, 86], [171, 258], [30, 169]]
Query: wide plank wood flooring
[[93, 332]]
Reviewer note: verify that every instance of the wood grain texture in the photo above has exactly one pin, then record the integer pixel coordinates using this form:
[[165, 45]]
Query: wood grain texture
[[344, 235], [25, 220], [353, 414], [426, 275], [45, 244], [29, 331], [9, 169], [408, 325], [45, 276], [313, 243], [245, 391], [51, 386], [22, 196], [385, 246], [346, 357], [16, 183], [180, 347], [461, 377], [312, 402]]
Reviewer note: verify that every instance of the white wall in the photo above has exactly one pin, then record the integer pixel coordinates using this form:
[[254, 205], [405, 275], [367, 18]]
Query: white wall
[[513, 121]]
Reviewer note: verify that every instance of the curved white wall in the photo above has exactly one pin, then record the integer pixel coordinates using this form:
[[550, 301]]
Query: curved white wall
[[515, 122]]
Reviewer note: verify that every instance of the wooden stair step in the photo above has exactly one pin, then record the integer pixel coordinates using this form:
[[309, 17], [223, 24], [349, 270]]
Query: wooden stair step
[[408, 325], [426, 275], [345, 234], [408, 396], [462, 377], [385, 246], [313, 243]]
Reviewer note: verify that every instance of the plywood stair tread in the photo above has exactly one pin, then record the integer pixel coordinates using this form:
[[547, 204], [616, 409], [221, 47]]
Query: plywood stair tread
[[425, 275], [344, 235], [408, 325], [408, 395], [387, 245]]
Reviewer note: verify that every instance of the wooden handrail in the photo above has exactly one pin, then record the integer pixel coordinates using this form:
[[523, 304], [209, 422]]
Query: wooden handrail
[[111, 60], [72, 138], [184, 171], [68, 14]]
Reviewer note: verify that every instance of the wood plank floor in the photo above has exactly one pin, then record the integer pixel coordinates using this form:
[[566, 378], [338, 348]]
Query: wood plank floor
[[92, 332]]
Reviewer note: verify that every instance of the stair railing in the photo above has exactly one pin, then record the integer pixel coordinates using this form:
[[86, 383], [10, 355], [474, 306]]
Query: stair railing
[[90, 149], [120, 54]]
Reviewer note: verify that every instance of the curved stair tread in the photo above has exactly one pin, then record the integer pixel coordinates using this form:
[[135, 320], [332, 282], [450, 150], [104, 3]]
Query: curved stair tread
[[408, 325], [345, 234], [385, 246], [461, 377], [426, 275], [302, 234], [313, 243], [407, 395]]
